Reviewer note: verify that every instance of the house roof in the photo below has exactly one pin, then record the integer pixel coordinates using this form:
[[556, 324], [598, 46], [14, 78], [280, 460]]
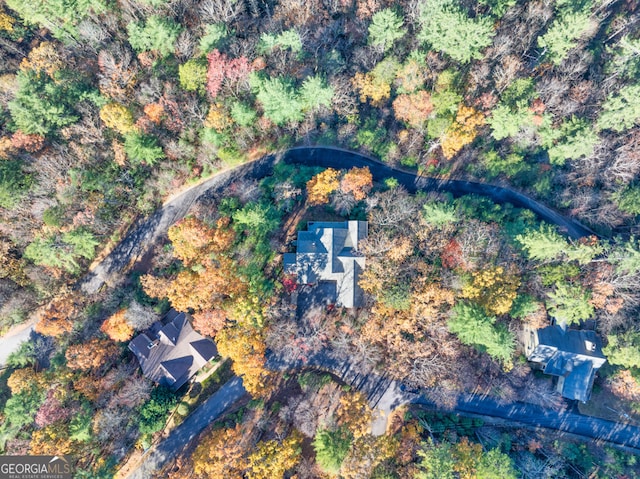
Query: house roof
[[572, 355], [171, 354], [328, 251]]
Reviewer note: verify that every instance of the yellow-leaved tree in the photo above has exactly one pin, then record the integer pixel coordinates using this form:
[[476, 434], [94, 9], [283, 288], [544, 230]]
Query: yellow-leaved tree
[[222, 453], [245, 346], [321, 186], [117, 117], [462, 131], [493, 289], [273, 459]]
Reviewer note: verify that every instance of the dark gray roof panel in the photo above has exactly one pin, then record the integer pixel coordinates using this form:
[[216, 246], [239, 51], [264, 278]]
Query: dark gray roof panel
[[178, 352], [328, 252], [577, 384], [205, 349], [572, 341], [176, 368]]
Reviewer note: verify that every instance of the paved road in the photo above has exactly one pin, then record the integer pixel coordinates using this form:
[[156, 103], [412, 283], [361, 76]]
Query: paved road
[[12, 341], [144, 234], [533, 415], [386, 395], [180, 437]]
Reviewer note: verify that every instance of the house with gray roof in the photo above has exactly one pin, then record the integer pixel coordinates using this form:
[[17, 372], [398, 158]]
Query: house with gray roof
[[171, 354], [573, 356], [327, 256]]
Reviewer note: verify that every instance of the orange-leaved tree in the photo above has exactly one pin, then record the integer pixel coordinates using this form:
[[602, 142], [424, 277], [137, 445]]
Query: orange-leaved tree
[[55, 318], [414, 108], [358, 182], [116, 326], [91, 355], [209, 322]]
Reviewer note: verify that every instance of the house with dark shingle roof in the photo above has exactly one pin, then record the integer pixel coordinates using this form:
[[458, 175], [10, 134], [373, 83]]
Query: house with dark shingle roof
[[573, 356], [171, 354], [327, 256]]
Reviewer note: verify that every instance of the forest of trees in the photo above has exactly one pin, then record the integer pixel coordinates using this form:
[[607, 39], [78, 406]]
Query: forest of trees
[[109, 107]]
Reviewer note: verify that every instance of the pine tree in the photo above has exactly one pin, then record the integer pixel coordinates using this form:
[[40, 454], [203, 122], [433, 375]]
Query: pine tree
[[315, 94], [386, 27], [543, 244], [447, 28], [564, 33], [623, 349], [158, 34], [569, 303], [41, 105], [573, 139], [279, 99], [621, 110]]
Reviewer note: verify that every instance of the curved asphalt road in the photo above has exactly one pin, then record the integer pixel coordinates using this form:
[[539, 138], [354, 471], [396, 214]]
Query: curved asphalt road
[[386, 394], [143, 234], [180, 437], [147, 231]]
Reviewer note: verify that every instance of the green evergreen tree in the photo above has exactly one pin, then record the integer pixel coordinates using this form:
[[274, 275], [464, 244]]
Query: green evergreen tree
[[213, 37], [473, 327], [14, 183], [626, 257], [543, 244], [507, 122], [498, 7], [61, 17], [447, 28], [243, 114], [439, 213], [569, 303], [83, 243], [628, 199], [279, 99], [625, 58], [141, 148], [289, 39], [573, 139], [386, 27], [259, 219], [564, 33], [62, 251], [623, 349], [621, 110], [42, 106], [155, 34], [314, 93], [331, 449]]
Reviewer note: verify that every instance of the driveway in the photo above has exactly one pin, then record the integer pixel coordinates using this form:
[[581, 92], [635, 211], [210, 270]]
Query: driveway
[[385, 395], [147, 231], [181, 436], [11, 341]]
